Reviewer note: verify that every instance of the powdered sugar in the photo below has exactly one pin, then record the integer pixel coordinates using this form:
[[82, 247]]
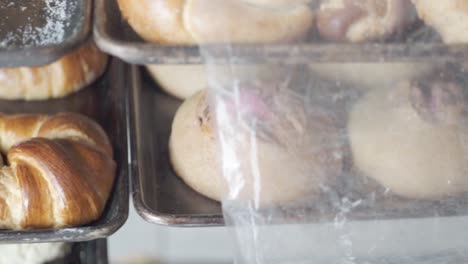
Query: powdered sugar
[[35, 23]]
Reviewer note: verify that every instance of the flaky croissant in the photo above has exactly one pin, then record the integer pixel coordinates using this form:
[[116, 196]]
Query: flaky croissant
[[59, 171]]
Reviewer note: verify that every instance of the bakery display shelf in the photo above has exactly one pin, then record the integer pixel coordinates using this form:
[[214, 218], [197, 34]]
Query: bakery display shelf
[[115, 36], [86, 252], [106, 102], [161, 197], [39, 32]]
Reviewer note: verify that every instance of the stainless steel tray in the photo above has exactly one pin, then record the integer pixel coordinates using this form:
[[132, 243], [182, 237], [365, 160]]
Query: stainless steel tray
[[160, 196], [41, 31], [114, 36], [106, 101], [163, 198]]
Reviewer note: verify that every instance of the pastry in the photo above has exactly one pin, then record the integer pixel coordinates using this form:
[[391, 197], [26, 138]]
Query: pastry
[[363, 20], [413, 138], [275, 151], [58, 79], [448, 17], [205, 21], [181, 81], [58, 172]]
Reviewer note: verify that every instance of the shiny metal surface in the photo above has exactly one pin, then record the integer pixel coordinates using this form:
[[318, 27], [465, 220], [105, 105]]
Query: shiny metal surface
[[114, 36], [41, 31], [106, 102], [160, 196]]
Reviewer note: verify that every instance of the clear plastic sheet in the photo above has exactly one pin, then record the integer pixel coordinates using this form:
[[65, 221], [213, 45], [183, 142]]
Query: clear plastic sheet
[[343, 163]]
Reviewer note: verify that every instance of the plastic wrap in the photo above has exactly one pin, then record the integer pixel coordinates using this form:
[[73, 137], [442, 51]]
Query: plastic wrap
[[342, 163]]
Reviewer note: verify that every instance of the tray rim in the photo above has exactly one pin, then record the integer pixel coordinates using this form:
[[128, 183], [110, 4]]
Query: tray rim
[[36, 56], [302, 53], [120, 195], [149, 215]]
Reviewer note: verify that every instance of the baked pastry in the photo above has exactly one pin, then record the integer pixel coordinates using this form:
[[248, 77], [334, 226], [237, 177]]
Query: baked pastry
[[67, 75], [364, 76], [277, 154], [412, 138], [363, 20], [59, 171], [205, 21], [181, 81], [34, 253], [448, 17]]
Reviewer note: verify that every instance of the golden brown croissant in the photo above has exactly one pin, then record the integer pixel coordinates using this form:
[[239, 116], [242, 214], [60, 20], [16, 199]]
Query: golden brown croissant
[[59, 173], [58, 79]]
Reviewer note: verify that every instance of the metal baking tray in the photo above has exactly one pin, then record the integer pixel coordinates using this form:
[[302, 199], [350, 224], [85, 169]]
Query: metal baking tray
[[41, 31], [115, 36], [105, 101], [161, 197], [86, 252]]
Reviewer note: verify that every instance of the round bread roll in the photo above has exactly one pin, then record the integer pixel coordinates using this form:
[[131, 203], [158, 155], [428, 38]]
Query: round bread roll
[[278, 3], [58, 79], [204, 21], [181, 81], [292, 159], [448, 17], [363, 20], [413, 139], [366, 76]]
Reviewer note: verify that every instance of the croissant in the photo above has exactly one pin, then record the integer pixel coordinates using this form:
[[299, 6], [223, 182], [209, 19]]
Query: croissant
[[63, 77], [59, 171]]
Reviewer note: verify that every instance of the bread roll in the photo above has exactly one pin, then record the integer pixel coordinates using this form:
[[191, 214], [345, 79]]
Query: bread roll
[[413, 138], [181, 81], [60, 171], [448, 17], [364, 76], [203, 21], [293, 159], [58, 79], [363, 20]]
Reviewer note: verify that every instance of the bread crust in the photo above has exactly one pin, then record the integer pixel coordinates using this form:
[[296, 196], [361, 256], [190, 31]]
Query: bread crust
[[206, 21], [60, 171], [267, 172], [58, 79]]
